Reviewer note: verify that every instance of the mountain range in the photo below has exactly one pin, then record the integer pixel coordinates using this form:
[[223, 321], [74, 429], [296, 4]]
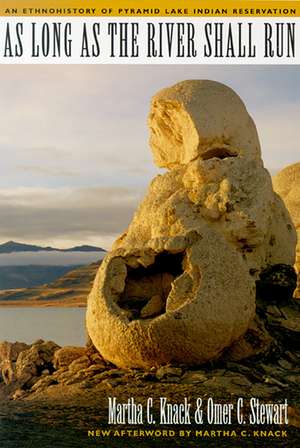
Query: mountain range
[[29, 266], [13, 246], [15, 277]]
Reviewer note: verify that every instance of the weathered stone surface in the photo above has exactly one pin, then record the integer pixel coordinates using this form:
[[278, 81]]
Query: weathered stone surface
[[202, 227], [168, 371], [64, 356], [263, 391], [193, 378], [222, 169], [97, 358], [256, 341], [95, 368], [80, 363], [34, 360], [43, 383], [65, 376], [200, 118], [19, 393], [78, 376], [9, 352], [180, 332], [233, 382], [287, 184]]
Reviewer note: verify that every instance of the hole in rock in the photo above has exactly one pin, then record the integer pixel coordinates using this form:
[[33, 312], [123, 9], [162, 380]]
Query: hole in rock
[[146, 289], [219, 153]]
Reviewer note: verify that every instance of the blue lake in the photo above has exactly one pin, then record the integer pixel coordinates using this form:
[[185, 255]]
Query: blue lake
[[65, 326]]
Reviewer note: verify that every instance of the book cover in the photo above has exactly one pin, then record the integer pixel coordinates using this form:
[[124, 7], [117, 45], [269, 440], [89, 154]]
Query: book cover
[[149, 213]]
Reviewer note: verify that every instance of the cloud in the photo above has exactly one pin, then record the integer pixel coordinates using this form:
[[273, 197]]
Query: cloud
[[65, 215], [47, 170], [91, 120], [74, 146]]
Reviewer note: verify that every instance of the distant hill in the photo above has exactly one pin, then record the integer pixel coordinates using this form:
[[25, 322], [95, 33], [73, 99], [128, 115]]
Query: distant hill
[[13, 246], [15, 277], [71, 289], [28, 266]]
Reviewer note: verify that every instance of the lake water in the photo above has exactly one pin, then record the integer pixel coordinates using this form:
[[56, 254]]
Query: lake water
[[65, 326]]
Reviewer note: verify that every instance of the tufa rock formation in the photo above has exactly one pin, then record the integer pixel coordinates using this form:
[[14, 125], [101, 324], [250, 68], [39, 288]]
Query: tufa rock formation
[[179, 284], [9, 353], [44, 371], [22, 364], [66, 355], [287, 184]]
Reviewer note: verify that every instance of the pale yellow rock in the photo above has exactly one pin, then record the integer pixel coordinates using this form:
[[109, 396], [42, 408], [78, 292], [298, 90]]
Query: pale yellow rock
[[199, 239], [196, 118], [234, 193], [287, 184], [203, 315]]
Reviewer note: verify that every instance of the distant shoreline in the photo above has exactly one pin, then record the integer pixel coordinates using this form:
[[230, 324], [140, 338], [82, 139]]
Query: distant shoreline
[[27, 304]]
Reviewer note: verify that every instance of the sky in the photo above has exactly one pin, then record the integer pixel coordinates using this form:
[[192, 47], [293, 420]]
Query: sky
[[75, 159]]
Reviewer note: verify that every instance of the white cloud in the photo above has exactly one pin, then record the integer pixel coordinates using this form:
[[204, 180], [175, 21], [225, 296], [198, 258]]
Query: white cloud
[[65, 216], [74, 141]]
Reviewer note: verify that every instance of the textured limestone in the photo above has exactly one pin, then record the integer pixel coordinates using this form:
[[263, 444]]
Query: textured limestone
[[287, 184], [199, 239], [34, 360], [197, 323], [200, 118], [9, 353], [66, 355]]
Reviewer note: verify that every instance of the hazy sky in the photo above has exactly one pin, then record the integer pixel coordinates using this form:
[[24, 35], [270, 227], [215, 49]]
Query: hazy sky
[[74, 143]]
